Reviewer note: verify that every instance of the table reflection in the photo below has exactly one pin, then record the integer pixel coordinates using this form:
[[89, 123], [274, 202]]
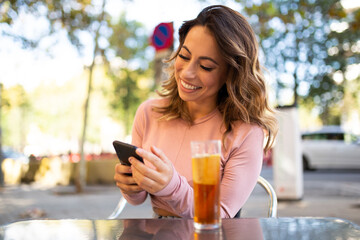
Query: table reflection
[[138, 229], [309, 228], [184, 230], [156, 229]]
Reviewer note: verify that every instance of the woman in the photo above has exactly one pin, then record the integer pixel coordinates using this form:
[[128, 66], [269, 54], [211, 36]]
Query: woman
[[216, 90]]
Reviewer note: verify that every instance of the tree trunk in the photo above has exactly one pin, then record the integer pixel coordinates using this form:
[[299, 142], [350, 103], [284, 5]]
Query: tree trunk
[[1, 154], [296, 85], [80, 170], [80, 181]]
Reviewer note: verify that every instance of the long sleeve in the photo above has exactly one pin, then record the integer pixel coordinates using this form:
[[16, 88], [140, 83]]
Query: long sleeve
[[240, 173], [241, 158], [178, 196]]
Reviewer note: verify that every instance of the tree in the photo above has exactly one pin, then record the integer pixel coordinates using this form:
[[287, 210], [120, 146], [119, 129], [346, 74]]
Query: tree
[[128, 69], [74, 17], [343, 52], [81, 172], [16, 106], [78, 18], [14, 109], [298, 40], [1, 140]]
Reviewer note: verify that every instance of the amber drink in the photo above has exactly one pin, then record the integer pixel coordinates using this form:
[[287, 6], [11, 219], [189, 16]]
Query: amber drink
[[206, 177]]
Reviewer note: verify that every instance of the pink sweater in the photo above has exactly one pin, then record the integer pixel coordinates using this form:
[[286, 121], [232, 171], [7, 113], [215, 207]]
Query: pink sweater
[[241, 161]]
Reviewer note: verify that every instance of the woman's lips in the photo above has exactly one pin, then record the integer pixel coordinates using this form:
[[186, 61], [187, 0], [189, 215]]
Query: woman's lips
[[188, 86]]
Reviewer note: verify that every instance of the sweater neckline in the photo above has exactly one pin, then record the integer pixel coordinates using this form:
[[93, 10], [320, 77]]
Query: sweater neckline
[[206, 117]]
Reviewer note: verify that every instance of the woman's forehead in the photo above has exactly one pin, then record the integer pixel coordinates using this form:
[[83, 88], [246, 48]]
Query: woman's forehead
[[200, 40]]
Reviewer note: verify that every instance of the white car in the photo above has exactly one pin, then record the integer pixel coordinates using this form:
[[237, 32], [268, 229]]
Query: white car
[[330, 147]]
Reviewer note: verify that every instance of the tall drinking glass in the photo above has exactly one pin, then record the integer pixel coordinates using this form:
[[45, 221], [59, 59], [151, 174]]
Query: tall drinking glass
[[206, 177]]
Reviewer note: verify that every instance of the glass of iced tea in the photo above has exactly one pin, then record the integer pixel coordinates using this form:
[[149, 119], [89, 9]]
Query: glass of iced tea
[[206, 177]]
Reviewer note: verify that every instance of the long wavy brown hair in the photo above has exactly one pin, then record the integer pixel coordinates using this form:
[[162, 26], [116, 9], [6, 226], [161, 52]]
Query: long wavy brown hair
[[243, 96]]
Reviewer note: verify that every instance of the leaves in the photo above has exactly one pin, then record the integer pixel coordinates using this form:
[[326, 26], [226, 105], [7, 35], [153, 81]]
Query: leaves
[[301, 49], [125, 40]]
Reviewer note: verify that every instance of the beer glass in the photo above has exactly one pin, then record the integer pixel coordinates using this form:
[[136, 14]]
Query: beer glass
[[206, 177], [208, 235]]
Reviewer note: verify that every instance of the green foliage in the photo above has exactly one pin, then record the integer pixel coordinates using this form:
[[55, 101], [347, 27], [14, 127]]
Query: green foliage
[[112, 41], [128, 42], [15, 97], [128, 39], [303, 52], [73, 16], [127, 94], [16, 107]]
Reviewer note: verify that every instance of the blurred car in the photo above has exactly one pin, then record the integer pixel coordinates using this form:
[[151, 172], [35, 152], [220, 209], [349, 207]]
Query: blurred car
[[12, 154], [330, 147]]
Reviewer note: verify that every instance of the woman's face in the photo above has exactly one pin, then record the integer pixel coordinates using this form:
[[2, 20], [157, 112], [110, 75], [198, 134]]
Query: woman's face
[[200, 70]]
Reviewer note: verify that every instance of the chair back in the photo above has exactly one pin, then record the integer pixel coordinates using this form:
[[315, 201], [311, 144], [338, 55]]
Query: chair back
[[272, 211]]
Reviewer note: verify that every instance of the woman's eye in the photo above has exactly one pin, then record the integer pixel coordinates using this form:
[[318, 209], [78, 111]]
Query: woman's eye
[[206, 68], [183, 57]]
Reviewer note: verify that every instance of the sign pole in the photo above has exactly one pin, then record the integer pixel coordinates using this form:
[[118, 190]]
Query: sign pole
[[162, 40]]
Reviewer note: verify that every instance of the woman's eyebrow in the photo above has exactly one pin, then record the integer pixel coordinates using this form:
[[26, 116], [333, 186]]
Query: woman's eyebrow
[[186, 49], [203, 57]]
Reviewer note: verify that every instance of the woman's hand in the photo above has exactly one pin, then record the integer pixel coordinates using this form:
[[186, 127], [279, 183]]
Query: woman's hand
[[150, 179], [124, 180]]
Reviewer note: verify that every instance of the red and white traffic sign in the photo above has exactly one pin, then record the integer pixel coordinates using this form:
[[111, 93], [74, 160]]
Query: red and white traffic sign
[[163, 36]]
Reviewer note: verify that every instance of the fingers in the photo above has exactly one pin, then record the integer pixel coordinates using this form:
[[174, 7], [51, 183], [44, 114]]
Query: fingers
[[141, 172], [122, 169], [124, 179], [129, 189], [146, 183], [159, 153], [148, 178], [156, 157]]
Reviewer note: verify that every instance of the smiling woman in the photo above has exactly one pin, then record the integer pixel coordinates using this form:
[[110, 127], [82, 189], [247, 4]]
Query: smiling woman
[[199, 72], [216, 91]]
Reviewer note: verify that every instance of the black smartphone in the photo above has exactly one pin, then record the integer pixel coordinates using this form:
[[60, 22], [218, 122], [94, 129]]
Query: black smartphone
[[124, 151]]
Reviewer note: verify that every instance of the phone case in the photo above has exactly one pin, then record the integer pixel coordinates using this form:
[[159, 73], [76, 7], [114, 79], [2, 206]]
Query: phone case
[[124, 151]]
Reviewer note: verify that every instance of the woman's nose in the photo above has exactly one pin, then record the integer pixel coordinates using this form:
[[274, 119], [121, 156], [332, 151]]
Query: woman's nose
[[189, 71]]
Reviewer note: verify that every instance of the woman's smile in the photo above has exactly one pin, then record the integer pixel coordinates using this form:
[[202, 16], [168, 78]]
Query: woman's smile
[[188, 86]]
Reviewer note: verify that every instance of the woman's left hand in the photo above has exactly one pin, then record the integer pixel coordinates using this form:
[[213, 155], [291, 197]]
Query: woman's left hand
[[150, 179]]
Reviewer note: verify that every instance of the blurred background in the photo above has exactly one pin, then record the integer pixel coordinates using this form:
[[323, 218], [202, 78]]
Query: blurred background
[[74, 71]]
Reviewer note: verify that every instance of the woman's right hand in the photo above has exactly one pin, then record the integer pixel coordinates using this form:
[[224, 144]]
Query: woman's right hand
[[124, 180]]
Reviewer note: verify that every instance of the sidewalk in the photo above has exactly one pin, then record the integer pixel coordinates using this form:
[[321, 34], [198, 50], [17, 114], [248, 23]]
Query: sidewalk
[[321, 199]]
